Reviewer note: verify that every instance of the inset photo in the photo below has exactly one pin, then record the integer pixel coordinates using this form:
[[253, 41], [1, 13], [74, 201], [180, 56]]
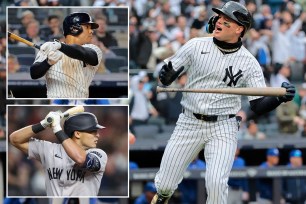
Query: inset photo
[[67, 151], [67, 52]]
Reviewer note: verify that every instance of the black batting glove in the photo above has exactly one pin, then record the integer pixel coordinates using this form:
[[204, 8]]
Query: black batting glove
[[167, 74], [290, 92], [210, 27]]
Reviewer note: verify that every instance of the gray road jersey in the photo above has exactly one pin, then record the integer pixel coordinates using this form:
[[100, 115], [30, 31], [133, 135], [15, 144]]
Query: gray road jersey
[[62, 176]]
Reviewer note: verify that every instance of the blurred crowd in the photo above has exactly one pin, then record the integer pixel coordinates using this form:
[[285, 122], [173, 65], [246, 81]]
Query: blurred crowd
[[277, 40]]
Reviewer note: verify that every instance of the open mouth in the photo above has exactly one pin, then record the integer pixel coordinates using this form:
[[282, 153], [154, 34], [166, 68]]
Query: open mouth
[[218, 28]]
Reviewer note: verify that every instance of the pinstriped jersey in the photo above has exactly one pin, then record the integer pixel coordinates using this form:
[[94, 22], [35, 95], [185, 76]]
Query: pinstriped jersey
[[207, 67], [70, 78], [62, 176]]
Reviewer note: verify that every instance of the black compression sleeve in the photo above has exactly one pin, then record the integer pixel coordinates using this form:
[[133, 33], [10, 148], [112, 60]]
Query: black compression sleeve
[[264, 104], [36, 128], [84, 54], [39, 69]]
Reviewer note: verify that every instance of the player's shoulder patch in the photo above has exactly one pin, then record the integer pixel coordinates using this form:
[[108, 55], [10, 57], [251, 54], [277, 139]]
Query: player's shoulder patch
[[98, 152]]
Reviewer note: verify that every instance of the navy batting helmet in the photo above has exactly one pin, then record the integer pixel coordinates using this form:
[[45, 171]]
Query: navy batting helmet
[[72, 23], [237, 12], [83, 122]]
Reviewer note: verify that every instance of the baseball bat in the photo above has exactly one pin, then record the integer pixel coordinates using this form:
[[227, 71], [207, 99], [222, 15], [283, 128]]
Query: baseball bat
[[264, 91], [20, 39], [70, 111]]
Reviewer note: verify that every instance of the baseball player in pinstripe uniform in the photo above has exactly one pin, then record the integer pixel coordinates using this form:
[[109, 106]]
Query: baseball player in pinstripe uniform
[[208, 120], [74, 167], [69, 67]]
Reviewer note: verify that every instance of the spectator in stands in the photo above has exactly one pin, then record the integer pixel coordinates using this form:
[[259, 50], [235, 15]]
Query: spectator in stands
[[26, 17], [282, 72], [54, 25], [181, 27], [133, 42], [147, 43], [13, 65], [288, 119], [140, 108], [294, 188], [252, 132], [103, 34], [238, 188], [265, 185], [283, 32], [32, 33], [188, 187], [147, 195]]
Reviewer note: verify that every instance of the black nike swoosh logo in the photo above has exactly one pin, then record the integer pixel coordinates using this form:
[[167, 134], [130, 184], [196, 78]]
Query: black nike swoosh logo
[[204, 52], [58, 156]]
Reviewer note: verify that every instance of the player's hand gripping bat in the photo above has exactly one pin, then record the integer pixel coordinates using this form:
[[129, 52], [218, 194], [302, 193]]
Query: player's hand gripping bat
[[71, 111], [20, 39]]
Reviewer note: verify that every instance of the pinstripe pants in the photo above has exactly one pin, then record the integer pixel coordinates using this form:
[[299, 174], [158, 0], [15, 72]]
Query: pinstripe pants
[[190, 136]]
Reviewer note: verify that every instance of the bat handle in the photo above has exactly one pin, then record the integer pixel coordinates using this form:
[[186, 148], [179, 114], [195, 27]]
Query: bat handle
[[49, 120], [37, 46]]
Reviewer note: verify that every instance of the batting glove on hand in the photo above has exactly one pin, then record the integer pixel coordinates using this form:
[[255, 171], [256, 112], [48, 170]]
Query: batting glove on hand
[[167, 74], [290, 92], [53, 119], [50, 46], [210, 27], [54, 56]]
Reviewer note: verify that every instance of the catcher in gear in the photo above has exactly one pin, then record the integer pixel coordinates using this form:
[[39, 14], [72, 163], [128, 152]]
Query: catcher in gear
[[69, 67], [74, 167], [209, 121]]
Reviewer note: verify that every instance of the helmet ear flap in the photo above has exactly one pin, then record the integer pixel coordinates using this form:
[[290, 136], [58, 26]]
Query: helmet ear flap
[[76, 29]]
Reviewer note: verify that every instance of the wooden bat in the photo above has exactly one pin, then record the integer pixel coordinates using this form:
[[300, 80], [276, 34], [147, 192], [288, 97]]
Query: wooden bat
[[20, 39], [265, 91], [70, 111]]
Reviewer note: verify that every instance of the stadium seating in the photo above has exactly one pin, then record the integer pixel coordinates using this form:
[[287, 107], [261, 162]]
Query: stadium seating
[[26, 59], [119, 51], [17, 50], [114, 63]]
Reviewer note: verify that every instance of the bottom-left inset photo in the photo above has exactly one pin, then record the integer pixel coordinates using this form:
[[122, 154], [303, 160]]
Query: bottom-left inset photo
[[58, 151]]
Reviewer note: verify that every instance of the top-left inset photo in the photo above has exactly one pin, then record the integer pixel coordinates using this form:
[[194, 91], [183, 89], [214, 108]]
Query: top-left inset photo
[[67, 52]]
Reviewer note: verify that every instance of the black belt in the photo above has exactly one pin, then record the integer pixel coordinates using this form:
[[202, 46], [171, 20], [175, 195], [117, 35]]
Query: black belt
[[212, 118]]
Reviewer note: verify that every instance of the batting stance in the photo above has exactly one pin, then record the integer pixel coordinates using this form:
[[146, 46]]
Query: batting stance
[[208, 120], [69, 67], [74, 167]]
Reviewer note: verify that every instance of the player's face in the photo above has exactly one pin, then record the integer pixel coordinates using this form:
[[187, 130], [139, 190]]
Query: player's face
[[89, 139], [227, 30], [86, 35]]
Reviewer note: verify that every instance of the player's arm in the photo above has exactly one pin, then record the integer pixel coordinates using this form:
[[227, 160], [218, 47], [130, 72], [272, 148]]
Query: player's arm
[[85, 54], [95, 160], [268, 103], [20, 138], [40, 68]]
